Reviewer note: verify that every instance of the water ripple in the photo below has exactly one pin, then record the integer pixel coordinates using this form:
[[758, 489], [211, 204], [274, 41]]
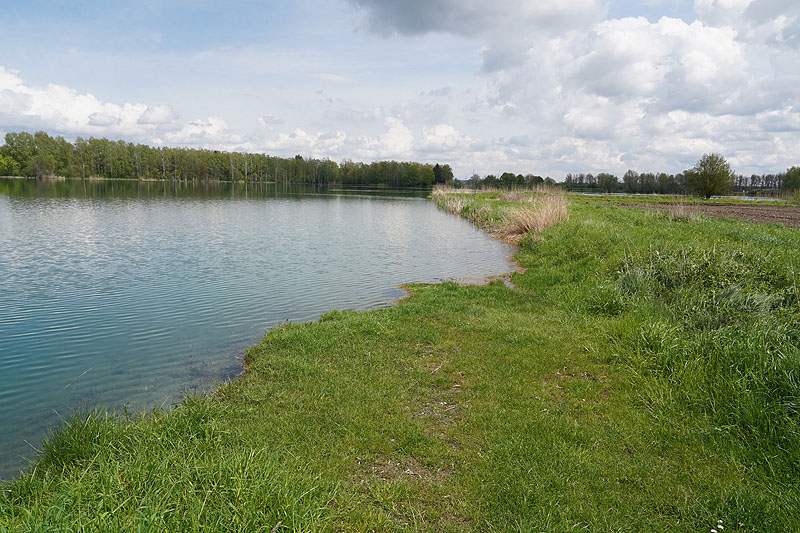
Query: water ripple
[[127, 301]]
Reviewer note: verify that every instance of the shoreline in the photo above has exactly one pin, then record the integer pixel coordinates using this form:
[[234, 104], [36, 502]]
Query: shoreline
[[552, 406]]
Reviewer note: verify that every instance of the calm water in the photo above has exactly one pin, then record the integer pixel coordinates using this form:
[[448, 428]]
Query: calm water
[[130, 294]]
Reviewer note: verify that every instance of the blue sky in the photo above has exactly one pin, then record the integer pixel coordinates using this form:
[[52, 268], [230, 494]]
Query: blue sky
[[547, 87]]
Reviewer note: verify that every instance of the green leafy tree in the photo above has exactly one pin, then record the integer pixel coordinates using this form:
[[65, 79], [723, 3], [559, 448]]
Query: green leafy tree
[[607, 182], [791, 180], [20, 147], [8, 167], [631, 181], [446, 174], [474, 181], [437, 174], [711, 175], [508, 179]]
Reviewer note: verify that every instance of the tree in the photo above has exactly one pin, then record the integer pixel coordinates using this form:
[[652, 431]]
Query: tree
[[507, 179], [446, 174], [437, 174], [631, 181], [474, 181], [711, 175], [532, 180], [8, 167], [791, 180], [607, 182]]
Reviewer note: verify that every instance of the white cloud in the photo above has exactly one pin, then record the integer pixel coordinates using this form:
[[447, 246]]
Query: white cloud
[[157, 115], [59, 109], [269, 120], [509, 27], [444, 137], [103, 119], [397, 141], [211, 133]]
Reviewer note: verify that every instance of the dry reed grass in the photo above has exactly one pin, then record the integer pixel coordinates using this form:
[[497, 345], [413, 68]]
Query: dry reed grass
[[544, 211], [530, 194], [451, 204], [682, 212]]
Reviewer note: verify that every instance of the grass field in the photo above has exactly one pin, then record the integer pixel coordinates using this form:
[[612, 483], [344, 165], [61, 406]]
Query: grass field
[[643, 374]]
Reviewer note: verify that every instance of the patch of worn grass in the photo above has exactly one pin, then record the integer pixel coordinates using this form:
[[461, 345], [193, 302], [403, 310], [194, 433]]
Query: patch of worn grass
[[641, 375]]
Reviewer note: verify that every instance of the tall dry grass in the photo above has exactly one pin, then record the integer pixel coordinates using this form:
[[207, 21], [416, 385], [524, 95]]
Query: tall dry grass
[[542, 212], [451, 204], [683, 212], [530, 194]]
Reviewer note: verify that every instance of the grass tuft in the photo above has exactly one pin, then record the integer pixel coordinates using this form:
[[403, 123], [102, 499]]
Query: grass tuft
[[543, 212]]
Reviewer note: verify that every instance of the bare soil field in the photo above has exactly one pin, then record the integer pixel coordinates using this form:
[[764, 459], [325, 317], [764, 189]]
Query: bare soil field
[[789, 216]]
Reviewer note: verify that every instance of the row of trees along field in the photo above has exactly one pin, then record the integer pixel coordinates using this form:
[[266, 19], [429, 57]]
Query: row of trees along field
[[508, 180], [711, 176], [681, 183], [39, 154]]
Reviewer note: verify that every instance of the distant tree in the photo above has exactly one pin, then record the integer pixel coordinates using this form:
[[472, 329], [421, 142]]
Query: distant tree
[[532, 180], [446, 174], [549, 181], [607, 182], [791, 180], [474, 181], [711, 175], [507, 179], [437, 173], [631, 181]]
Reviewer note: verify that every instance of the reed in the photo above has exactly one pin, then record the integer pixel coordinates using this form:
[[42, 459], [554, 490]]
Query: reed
[[541, 213]]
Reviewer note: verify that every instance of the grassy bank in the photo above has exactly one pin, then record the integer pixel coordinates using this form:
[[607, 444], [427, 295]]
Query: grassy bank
[[642, 374]]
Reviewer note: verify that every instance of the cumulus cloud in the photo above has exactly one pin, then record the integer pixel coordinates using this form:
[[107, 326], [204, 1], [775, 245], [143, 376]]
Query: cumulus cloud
[[475, 17], [59, 109], [397, 141], [509, 27], [211, 133], [103, 119], [444, 137], [269, 120], [651, 94], [157, 115]]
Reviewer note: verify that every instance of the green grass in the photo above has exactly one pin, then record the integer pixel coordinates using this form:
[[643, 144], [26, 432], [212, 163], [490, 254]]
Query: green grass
[[643, 374]]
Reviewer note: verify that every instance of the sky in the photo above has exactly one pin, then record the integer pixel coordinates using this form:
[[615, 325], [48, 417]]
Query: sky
[[544, 87]]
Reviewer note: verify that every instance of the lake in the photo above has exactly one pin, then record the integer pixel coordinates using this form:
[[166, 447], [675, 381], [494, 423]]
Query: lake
[[130, 294]]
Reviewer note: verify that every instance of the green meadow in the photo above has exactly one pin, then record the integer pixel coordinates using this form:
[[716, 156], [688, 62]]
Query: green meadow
[[641, 374]]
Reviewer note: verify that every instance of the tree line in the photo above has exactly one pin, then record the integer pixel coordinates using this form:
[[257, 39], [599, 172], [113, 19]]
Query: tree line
[[39, 155], [681, 183], [646, 182], [508, 180]]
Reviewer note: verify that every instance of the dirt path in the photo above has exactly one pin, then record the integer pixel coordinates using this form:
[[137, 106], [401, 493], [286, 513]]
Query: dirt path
[[787, 215]]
